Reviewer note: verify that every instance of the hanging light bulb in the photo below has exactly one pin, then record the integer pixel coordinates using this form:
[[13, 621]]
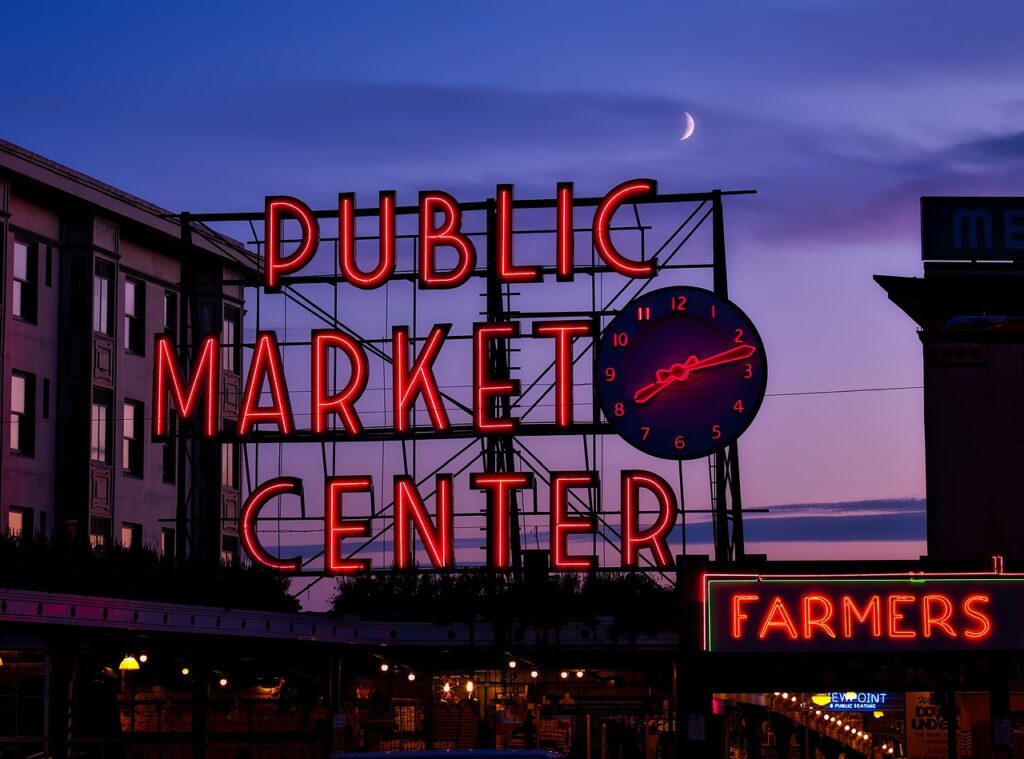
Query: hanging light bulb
[[469, 686], [447, 688], [534, 674], [184, 671], [223, 682], [564, 675], [579, 674], [384, 667], [512, 664], [128, 664]]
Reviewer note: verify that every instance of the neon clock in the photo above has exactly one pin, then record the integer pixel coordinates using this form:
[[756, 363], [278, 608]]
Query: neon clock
[[681, 372]]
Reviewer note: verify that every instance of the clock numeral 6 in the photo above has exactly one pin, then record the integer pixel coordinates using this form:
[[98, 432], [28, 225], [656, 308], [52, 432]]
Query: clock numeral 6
[[620, 410], [679, 303], [738, 406], [620, 339], [646, 431], [679, 443], [716, 432]]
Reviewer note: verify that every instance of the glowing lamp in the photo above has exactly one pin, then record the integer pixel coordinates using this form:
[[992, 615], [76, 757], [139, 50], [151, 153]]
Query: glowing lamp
[[821, 699], [184, 671], [564, 675], [412, 676], [512, 664], [384, 667], [469, 686], [579, 674], [851, 695], [223, 682], [534, 674], [128, 664], [447, 688], [877, 714]]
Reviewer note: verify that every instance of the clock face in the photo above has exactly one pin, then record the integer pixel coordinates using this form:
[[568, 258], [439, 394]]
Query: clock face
[[681, 372]]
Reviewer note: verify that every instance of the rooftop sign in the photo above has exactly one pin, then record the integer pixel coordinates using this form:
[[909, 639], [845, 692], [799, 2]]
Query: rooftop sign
[[972, 229]]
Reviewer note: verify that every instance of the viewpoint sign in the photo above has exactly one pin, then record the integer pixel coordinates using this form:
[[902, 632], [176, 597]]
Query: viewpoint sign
[[844, 613], [972, 229]]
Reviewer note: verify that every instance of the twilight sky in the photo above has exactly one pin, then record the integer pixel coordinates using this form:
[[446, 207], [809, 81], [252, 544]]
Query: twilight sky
[[840, 113]]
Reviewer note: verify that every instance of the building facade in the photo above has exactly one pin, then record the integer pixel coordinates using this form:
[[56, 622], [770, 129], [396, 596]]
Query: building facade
[[90, 276]]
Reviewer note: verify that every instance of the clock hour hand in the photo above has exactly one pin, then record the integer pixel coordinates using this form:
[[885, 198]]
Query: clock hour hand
[[679, 372]]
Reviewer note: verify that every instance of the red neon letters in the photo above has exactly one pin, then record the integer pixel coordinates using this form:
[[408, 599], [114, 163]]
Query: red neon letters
[[487, 388], [276, 207], [499, 489], [205, 378], [897, 616], [419, 380], [563, 332], [266, 364], [562, 525], [380, 274], [343, 402], [655, 537], [337, 529], [251, 512], [438, 541], [440, 226]]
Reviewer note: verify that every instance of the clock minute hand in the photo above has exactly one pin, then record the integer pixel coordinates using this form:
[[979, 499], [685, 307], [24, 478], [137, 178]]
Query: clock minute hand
[[679, 372]]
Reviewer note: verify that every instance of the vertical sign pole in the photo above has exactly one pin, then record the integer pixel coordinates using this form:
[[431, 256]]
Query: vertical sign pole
[[723, 544]]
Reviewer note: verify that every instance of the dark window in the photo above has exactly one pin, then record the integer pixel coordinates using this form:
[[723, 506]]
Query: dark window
[[170, 449], [167, 542], [99, 531], [26, 282], [231, 349], [101, 303], [23, 413], [170, 313], [101, 427], [19, 522], [46, 398], [229, 549], [131, 535], [131, 437], [135, 316]]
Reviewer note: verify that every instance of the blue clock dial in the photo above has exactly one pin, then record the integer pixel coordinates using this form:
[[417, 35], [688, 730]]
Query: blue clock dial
[[681, 372]]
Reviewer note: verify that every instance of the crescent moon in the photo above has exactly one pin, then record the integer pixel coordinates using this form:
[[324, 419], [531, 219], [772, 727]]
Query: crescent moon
[[690, 125]]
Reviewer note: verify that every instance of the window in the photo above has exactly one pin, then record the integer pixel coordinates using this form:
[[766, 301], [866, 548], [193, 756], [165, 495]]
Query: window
[[99, 531], [170, 450], [170, 313], [167, 542], [101, 305], [229, 550], [100, 430], [131, 441], [135, 316], [23, 413], [19, 522], [230, 348], [131, 535], [26, 262], [229, 465]]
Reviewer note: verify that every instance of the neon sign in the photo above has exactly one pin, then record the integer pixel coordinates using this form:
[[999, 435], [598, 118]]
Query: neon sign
[[876, 612], [680, 380], [851, 701]]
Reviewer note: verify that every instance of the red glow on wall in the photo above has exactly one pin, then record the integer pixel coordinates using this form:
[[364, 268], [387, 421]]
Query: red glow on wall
[[562, 525], [448, 234], [507, 270], [409, 507], [564, 239], [419, 380], [563, 332], [266, 365], [276, 208], [250, 514], [499, 488], [655, 537], [205, 378], [486, 387], [337, 529], [385, 267], [602, 227], [343, 402]]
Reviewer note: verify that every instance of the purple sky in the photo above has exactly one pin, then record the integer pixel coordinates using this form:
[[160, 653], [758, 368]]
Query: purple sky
[[840, 113]]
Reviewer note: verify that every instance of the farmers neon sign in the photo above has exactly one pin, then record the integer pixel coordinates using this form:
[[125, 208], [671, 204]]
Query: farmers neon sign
[[844, 613], [266, 401]]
